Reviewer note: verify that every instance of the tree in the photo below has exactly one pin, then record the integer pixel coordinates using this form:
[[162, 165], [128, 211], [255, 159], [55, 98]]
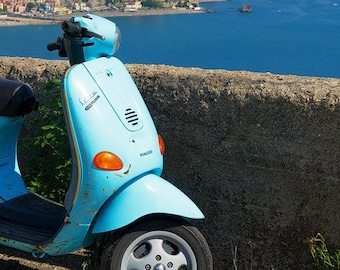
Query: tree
[[152, 4], [30, 5]]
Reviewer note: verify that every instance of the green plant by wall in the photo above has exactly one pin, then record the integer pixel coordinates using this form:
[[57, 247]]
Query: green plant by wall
[[323, 258], [48, 171]]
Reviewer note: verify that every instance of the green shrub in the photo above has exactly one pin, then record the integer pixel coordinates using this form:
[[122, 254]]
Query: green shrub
[[48, 171], [323, 258], [152, 4]]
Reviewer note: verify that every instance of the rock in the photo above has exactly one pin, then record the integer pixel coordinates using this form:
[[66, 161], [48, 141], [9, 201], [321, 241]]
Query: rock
[[246, 9]]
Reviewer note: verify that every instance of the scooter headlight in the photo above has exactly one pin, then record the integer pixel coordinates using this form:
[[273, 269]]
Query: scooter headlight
[[117, 40], [99, 37]]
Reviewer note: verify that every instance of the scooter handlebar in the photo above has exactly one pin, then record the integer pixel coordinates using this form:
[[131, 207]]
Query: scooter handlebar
[[75, 30], [53, 46], [58, 45], [72, 29]]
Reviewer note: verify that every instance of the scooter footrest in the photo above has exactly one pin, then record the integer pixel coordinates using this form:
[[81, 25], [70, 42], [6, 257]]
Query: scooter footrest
[[23, 233], [30, 216]]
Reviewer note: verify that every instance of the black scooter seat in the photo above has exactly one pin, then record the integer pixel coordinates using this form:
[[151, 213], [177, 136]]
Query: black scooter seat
[[16, 98]]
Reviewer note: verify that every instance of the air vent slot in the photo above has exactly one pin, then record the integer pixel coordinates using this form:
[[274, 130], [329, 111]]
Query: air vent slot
[[131, 117]]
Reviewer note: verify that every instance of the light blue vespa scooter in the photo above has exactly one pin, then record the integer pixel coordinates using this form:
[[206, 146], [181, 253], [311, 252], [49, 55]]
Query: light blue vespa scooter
[[116, 192]]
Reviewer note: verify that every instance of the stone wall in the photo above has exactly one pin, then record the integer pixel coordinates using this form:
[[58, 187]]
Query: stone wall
[[259, 153]]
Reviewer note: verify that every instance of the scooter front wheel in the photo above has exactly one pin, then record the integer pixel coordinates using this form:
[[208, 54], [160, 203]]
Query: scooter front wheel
[[158, 245]]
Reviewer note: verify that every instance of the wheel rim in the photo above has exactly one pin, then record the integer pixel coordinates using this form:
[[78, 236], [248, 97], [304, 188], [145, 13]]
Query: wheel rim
[[159, 250]]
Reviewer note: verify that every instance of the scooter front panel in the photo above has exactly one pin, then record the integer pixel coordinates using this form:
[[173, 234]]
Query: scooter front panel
[[111, 76], [96, 125]]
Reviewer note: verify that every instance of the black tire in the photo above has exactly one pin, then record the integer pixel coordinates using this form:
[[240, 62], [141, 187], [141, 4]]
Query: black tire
[[158, 245]]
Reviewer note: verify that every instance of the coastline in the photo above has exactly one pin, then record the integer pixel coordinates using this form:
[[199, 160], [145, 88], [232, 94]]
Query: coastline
[[22, 20]]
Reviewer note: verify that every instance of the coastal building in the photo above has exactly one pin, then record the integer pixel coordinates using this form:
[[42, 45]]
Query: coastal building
[[80, 7], [61, 7], [18, 7], [133, 5]]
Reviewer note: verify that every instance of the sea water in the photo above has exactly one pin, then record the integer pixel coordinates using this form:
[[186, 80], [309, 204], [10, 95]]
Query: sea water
[[299, 37]]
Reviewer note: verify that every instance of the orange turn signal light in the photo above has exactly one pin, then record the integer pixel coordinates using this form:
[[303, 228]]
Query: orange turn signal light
[[161, 144], [107, 161]]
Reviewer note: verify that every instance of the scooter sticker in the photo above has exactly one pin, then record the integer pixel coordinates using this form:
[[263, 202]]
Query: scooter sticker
[[83, 101], [89, 100], [91, 103], [145, 153], [109, 73]]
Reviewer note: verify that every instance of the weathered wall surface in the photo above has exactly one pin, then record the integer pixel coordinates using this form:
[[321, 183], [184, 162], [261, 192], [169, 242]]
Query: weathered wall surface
[[259, 153]]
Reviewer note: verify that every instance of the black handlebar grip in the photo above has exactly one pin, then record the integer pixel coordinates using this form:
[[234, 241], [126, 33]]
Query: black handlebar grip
[[73, 29], [53, 46]]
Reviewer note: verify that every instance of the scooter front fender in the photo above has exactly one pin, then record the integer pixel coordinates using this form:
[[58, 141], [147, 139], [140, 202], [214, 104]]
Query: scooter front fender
[[150, 194]]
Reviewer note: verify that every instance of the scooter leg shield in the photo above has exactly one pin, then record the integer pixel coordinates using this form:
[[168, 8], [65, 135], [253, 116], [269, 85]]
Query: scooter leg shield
[[150, 194]]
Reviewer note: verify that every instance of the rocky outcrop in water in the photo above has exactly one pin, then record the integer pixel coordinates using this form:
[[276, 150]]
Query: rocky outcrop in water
[[246, 9]]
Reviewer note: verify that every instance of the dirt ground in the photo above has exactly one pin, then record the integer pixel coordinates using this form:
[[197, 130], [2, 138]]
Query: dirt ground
[[11, 259]]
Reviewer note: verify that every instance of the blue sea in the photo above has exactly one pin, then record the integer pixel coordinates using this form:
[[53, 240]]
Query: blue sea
[[299, 37]]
